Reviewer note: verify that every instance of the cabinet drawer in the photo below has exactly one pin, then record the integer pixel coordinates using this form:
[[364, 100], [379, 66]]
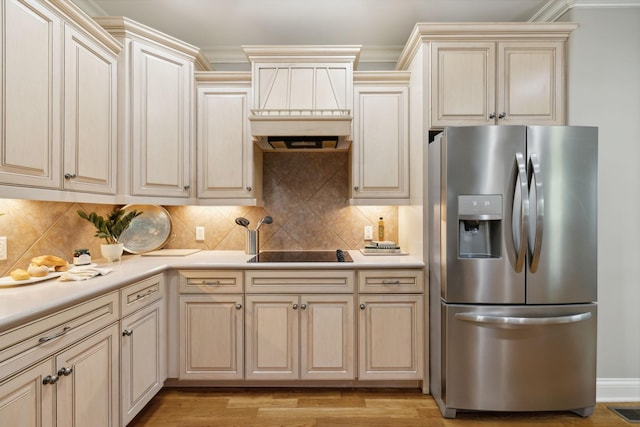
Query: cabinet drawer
[[210, 281], [299, 281], [141, 294], [26, 344], [391, 281]]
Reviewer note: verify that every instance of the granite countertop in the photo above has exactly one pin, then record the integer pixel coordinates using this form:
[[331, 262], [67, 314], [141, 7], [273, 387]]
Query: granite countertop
[[19, 304]]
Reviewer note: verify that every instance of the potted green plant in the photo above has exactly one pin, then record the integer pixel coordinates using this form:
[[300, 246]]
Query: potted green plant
[[110, 229]]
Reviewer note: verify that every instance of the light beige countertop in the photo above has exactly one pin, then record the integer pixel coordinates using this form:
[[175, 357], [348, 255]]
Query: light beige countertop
[[19, 304]]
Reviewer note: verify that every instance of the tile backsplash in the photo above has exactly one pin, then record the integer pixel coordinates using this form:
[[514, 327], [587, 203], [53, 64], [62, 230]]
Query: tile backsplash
[[306, 194]]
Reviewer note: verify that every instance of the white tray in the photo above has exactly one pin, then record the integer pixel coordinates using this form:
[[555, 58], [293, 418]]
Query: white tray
[[7, 281]]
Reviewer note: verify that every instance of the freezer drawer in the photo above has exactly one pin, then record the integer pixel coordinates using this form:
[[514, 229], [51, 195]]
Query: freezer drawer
[[519, 358]]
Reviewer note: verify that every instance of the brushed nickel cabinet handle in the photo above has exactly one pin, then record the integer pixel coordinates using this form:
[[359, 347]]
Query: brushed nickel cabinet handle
[[502, 115], [59, 334], [238, 306], [70, 176], [50, 379], [362, 306], [127, 332], [295, 306], [492, 115], [303, 306], [64, 371]]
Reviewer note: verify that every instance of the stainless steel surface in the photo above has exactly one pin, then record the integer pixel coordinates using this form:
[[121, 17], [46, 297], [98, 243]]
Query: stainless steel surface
[[147, 232], [512, 293], [543, 363], [252, 242], [480, 161], [567, 270]]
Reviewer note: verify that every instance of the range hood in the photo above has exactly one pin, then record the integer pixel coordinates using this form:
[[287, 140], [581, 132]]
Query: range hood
[[302, 96], [311, 130]]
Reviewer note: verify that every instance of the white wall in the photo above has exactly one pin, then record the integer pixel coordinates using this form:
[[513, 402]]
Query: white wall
[[604, 91]]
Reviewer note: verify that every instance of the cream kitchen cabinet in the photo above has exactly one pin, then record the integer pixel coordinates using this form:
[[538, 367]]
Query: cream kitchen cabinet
[[62, 369], [309, 334], [156, 112], [479, 83], [211, 325], [229, 168], [380, 148], [142, 343], [90, 115], [390, 325], [59, 101], [291, 337]]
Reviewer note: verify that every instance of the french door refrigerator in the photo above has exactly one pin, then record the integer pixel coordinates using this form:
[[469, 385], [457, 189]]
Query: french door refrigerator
[[513, 268]]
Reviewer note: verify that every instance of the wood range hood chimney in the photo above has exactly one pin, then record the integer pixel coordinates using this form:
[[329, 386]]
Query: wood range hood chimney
[[302, 96]]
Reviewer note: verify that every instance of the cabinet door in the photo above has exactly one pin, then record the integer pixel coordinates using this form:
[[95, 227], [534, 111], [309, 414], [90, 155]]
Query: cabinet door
[[143, 358], [531, 83], [224, 147], [272, 337], [25, 401], [211, 337], [90, 137], [390, 337], [30, 88], [327, 337], [162, 86], [380, 152], [463, 83], [88, 385]]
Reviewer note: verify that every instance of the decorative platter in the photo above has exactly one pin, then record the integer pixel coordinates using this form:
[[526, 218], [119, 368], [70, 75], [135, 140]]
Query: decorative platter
[[148, 231]]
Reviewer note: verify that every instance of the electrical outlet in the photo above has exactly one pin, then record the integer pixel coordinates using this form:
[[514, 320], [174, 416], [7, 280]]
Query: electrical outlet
[[368, 232], [199, 234], [3, 248]]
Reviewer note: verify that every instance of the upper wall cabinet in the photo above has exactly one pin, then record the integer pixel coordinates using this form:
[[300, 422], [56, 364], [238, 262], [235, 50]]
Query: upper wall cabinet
[[229, 169], [485, 74], [380, 148], [59, 101], [156, 111]]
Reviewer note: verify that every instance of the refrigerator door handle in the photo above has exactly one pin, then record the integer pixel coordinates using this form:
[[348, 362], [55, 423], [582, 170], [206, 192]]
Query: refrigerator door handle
[[520, 212], [501, 320], [537, 204]]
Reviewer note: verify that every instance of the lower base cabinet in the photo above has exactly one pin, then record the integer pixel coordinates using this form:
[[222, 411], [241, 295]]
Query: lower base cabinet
[[211, 337], [76, 387], [142, 344], [390, 337], [307, 337]]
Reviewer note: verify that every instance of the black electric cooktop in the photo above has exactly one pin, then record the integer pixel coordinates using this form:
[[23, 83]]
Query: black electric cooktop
[[302, 256]]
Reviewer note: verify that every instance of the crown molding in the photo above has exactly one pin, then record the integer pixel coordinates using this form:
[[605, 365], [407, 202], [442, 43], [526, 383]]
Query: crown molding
[[554, 9]]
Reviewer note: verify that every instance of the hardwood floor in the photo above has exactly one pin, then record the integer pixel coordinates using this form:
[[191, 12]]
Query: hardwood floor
[[185, 407]]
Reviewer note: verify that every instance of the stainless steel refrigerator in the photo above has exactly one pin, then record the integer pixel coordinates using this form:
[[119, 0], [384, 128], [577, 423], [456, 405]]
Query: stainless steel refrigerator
[[513, 268]]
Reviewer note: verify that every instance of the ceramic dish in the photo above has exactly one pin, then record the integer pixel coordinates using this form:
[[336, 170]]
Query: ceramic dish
[[147, 232], [7, 281]]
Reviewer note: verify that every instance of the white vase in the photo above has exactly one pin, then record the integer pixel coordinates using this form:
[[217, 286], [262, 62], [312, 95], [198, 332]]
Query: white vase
[[112, 252]]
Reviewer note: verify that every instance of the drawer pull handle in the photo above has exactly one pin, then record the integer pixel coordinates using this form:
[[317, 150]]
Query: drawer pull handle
[[391, 282], [146, 294], [64, 371], [212, 283], [59, 334], [127, 332], [50, 379]]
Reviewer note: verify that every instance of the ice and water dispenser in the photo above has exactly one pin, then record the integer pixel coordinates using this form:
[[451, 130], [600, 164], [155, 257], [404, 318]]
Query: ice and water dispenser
[[480, 226]]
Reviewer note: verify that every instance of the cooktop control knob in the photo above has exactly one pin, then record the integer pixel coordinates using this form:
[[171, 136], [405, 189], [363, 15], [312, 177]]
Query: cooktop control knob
[[340, 255]]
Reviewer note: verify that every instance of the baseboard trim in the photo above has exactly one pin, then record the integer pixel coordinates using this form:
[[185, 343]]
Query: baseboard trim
[[618, 390]]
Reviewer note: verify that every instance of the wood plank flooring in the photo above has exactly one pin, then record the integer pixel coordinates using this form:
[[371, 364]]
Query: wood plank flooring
[[188, 407]]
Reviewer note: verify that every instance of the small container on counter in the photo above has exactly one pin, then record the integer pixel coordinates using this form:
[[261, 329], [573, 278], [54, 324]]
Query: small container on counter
[[81, 257]]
